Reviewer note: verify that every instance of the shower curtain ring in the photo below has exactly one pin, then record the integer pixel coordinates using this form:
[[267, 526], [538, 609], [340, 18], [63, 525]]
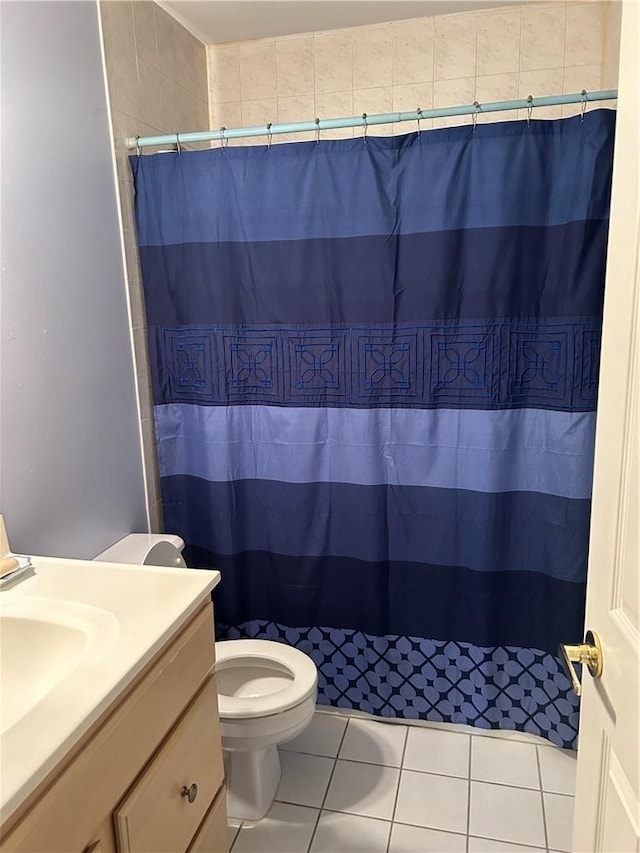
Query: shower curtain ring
[[419, 112], [317, 120], [223, 139], [475, 116], [178, 146], [529, 108], [138, 149], [364, 125], [269, 135], [583, 101]]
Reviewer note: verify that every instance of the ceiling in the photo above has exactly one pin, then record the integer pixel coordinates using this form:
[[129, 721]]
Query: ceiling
[[217, 21]]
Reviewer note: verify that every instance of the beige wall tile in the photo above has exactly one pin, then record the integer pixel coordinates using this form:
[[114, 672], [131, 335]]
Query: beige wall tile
[[576, 79], [169, 107], [455, 46], [372, 57], [412, 51], [335, 105], [259, 112], [333, 56], [498, 43], [497, 87], [258, 70], [447, 93], [136, 299], [189, 112], [157, 522], [144, 22], [408, 98], [542, 38], [149, 94], [200, 71], [122, 72], [226, 115], [184, 63], [117, 19], [165, 40], [584, 34], [224, 73], [295, 109], [294, 59], [544, 82], [372, 101]]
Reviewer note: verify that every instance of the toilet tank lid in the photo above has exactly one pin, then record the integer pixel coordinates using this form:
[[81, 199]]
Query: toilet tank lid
[[135, 547]]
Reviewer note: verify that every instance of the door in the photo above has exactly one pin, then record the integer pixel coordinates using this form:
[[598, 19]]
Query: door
[[607, 816]]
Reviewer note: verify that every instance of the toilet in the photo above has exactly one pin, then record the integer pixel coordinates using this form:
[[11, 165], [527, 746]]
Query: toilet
[[266, 692]]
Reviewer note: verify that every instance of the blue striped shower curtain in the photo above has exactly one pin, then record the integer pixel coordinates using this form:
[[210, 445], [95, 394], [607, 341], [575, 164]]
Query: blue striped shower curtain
[[375, 371]]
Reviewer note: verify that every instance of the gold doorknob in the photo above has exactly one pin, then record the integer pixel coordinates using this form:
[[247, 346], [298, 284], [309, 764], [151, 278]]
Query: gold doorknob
[[588, 653]]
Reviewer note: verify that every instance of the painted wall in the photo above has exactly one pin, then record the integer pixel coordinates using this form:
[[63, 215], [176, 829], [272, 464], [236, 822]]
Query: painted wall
[[157, 80], [484, 55], [71, 480]]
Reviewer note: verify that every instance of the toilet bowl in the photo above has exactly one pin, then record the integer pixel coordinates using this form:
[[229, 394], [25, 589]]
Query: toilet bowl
[[266, 692], [266, 696]]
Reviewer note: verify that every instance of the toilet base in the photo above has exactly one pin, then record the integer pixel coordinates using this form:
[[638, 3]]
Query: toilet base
[[253, 777]]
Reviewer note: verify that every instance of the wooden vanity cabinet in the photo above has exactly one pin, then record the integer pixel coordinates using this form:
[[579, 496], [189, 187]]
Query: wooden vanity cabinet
[[148, 777]]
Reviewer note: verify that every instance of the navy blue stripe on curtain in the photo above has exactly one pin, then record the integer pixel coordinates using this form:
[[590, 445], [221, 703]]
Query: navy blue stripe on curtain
[[375, 375], [486, 532], [394, 597], [406, 278]]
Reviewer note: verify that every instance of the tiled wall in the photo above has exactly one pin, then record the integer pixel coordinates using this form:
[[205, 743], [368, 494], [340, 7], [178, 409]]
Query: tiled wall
[[157, 79], [485, 55]]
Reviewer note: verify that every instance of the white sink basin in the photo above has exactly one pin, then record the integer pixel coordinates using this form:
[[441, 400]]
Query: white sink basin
[[42, 640]]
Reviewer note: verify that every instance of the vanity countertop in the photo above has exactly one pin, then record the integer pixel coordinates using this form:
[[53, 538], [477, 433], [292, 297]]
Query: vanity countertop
[[73, 636]]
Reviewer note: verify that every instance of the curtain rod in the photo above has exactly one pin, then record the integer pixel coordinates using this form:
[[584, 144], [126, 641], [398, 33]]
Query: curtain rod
[[365, 121]]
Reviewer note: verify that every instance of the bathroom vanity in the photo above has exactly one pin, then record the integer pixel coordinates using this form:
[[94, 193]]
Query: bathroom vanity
[[109, 730]]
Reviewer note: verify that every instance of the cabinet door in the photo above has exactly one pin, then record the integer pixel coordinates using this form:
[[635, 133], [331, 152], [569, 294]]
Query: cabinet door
[[157, 816], [212, 837]]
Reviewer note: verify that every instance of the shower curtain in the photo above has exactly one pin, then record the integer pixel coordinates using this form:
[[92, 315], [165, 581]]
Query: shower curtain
[[375, 368]]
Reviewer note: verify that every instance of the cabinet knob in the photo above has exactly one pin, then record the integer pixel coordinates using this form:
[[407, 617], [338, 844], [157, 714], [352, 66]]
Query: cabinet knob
[[190, 793]]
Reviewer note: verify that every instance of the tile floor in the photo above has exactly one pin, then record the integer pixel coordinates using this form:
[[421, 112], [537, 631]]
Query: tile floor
[[355, 784]]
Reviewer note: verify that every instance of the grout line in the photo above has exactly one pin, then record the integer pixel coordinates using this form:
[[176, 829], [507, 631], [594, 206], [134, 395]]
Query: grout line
[[395, 801], [519, 843], [544, 813], [333, 770]]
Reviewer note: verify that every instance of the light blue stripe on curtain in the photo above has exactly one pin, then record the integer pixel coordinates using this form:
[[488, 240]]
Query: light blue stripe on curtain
[[488, 451]]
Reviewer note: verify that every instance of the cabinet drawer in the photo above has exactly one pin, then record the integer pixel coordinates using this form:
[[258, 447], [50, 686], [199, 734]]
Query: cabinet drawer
[[155, 817], [212, 836]]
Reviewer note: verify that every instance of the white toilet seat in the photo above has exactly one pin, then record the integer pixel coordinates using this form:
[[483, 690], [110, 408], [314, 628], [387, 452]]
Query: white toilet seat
[[290, 677]]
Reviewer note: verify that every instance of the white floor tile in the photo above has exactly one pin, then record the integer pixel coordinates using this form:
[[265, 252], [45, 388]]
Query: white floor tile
[[558, 770], [374, 742], [285, 829], [363, 789], [417, 839], [485, 845], [559, 814], [437, 751], [438, 802], [507, 814], [504, 761], [321, 737], [304, 778], [347, 833]]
